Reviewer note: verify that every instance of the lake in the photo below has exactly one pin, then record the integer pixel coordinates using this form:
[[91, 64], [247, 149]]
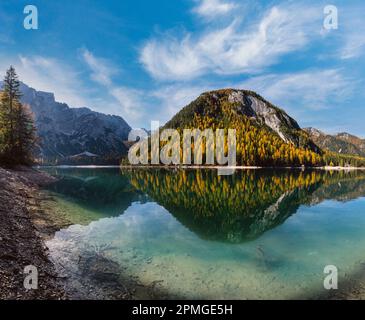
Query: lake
[[191, 234]]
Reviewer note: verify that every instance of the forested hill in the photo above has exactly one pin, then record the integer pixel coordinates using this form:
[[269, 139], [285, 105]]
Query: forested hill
[[266, 135]]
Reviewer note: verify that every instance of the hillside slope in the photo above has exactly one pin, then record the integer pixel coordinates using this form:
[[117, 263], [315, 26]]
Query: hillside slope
[[266, 135]]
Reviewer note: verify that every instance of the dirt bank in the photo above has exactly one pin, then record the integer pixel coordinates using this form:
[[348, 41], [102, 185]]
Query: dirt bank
[[20, 242]]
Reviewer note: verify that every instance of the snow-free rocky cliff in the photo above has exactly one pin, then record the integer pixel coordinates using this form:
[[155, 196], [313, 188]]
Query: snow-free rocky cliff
[[255, 107], [65, 132]]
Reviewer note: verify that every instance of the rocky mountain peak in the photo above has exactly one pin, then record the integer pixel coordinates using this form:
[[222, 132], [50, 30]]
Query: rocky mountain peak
[[314, 132], [254, 106], [65, 131]]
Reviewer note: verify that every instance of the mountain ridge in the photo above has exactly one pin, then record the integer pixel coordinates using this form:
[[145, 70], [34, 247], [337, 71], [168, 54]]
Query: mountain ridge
[[65, 131], [267, 134], [343, 142]]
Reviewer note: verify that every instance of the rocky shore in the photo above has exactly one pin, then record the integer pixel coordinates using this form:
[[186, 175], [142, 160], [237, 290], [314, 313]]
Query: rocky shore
[[28, 219], [20, 242]]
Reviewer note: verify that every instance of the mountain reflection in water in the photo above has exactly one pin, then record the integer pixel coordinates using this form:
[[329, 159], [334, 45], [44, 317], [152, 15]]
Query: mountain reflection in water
[[231, 209]]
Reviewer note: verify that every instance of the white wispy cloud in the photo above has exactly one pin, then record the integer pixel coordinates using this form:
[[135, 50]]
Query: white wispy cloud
[[354, 47], [306, 90], [159, 103], [102, 70], [299, 93], [50, 75], [129, 100], [235, 49], [352, 31], [172, 98], [212, 8]]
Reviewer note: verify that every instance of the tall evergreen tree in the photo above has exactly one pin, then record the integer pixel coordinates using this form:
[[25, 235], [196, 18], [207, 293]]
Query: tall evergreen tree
[[17, 131], [24, 133]]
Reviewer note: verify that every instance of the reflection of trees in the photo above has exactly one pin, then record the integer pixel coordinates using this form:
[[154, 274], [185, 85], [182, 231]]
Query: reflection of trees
[[344, 189], [225, 208], [104, 191], [242, 206]]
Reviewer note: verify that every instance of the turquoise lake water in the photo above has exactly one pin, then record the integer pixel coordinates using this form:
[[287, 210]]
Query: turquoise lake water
[[258, 234]]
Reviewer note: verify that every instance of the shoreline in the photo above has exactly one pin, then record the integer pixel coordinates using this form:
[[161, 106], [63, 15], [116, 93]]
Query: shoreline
[[326, 168], [31, 222], [27, 221], [92, 275], [21, 244]]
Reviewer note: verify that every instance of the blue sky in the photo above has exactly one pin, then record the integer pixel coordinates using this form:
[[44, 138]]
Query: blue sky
[[145, 60]]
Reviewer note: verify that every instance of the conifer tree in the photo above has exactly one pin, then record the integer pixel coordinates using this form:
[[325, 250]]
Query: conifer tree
[[25, 133], [17, 131]]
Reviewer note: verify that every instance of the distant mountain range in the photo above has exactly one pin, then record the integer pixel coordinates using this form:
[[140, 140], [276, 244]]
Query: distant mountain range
[[75, 135], [266, 134], [344, 143]]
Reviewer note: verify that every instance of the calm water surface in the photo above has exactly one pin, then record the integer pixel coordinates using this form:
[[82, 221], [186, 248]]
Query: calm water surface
[[259, 234]]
